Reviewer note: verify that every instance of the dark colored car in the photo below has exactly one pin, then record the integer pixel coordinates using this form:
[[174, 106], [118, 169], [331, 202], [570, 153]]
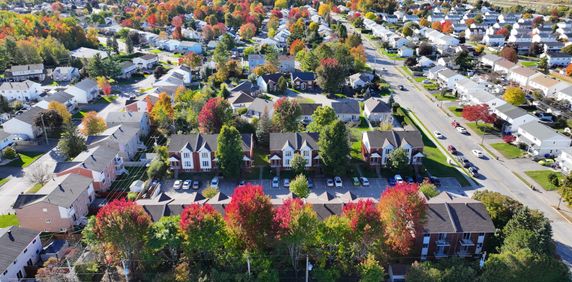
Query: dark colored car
[[452, 149], [410, 180], [474, 171], [391, 181]]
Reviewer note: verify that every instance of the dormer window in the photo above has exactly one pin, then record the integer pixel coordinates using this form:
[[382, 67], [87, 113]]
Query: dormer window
[[305, 153], [205, 155], [287, 153], [186, 155]]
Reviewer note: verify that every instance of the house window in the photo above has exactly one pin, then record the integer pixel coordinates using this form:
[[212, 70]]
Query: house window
[[19, 274], [466, 236], [306, 153], [187, 163], [287, 153], [205, 163], [48, 221], [387, 151], [442, 236], [287, 162], [186, 155], [45, 210]]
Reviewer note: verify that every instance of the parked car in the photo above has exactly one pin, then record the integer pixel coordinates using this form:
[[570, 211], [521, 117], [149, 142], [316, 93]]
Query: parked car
[[196, 185], [214, 182], [478, 153], [400, 87], [187, 184], [452, 149], [338, 182], [410, 180], [364, 181], [177, 185], [398, 179], [310, 184], [462, 130], [391, 181], [355, 181], [275, 182], [474, 171], [286, 182], [438, 134], [330, 182], [455, 124]]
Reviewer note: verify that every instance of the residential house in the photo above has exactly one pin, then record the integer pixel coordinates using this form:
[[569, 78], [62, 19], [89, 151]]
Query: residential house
[[25, 72], [146, 62], [447, 78], [303, 80], [557, 59], [258, 107], [541, 140], [377, 110], [286, 63], [60, 97], [397, 41], [480, 96], [434, 71], [565, 94], [247, 87], [347, 110], [405, 52], [24, 91], [173, 79], [138, 120], [23, 125], [141, 104], [87, 53], [84, 91], [513, 117], [360, 80], [20, 249], [376, 146], [268, 82], [521, 75], [565, 160], [283, 146], [255, 60], [306, 112], [239, 100], [101, 163], [552, 47], [465, 85], [454, 226], [59, 206], [197, 152], [128, 139], [504, 66], [489, 60], [188, 46], [65, 74], [6, 139], [548, 85], [127, 69], [425, 62], [494, 40]]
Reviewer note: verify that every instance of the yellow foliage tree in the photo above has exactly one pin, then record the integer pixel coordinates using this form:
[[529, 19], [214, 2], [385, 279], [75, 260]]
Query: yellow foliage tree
[[61, 109], [514, 95]]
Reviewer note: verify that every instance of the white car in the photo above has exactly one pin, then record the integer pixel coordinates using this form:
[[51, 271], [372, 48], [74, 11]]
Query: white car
[[461, 130], [364, 181], [338, 182], [214, 182], [178, 184], [398, 178], [478, 153], [438, 134], [330, 182], [286, 182], [275, 182], [187, 184]]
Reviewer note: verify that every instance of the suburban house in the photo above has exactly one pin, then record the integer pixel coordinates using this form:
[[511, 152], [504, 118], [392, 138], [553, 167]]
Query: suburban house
[[565, 94], [84, 91], [20, 249], [26, 72], [548, 85], [557, 59], [258, 107], [504, 66], [188, 46], [101, 163], [87, 53], [360, 80], [268, 82], [565, 160], [197, 152], [541, 140], [174, 78], [128, 139], [127, 69], [454, 226], [377, 110], [448, 78], [513, 117], [283, 146], [306, 112], [489, 60], [24, 91], [405, 52], [494, 40], [65, 74], [255, 60], [521, 75], [479, 96], [60, 97], [376, 146], [6, 139], [23, 125], [246, 87], [434, 71], [239, 100], [347, 111], [146, 62], [140, 104], [60, 205], [138, 120], [303, 80], [286, 63]]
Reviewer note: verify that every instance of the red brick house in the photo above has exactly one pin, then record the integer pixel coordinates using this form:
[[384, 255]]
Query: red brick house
[[283, 146], [197, 152]]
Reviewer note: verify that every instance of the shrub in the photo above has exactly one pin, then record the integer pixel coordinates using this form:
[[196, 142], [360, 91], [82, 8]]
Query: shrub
[[509, 138], [10, 153], [132, 196], [210, 192], [241, 111]]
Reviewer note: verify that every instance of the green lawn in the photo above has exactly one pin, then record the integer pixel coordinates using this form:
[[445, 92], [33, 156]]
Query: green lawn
[[261, 156], [79, 114], [8, 220], [3, 180], [442, 97], [431, 86], [107, 99], [419, 78], [303, 100], [407, 70], [25, 159], [529, 63], [456, 111], [483, 128], [508, 150], [155, 51], [35, 188], [541, 177]]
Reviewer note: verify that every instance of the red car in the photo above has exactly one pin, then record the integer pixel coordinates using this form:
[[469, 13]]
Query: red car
[[455, 124], [452, 149]]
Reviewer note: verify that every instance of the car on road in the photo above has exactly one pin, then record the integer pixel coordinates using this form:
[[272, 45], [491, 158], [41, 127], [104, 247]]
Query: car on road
[[364, 181], [391, 181], [398, 179], [196, 185], [310, 184], [478, 153], [187, 184], [338, 182], [286, 182], [474, 171], [452, 149], [355, 181], [275, 182], [214, 182], [400, 87], [426, 81], [438, 134], [177, 185], [455, 124], [330, 182], [462, 130]]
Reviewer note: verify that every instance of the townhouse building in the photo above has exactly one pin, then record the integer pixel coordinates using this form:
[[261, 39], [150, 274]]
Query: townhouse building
[[24, 91], [283, 146], [20, 249], [376, 146], [540, 140]]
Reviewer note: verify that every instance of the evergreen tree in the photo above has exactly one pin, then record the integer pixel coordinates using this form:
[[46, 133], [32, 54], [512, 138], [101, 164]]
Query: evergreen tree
[[129, 44], [229, 151], [71, 142], [334, 148], [263, 128]]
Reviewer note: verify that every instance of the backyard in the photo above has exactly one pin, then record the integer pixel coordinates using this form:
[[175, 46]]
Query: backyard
[[541, 177], [483, 128], [8, 220], [509, 151], [457, 111], [25, 159]]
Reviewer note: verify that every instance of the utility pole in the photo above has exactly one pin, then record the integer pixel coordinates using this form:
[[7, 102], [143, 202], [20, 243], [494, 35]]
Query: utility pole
[[307, 263], [248, 264], [44, 127]]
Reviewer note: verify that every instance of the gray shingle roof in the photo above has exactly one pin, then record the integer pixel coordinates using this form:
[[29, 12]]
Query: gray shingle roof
[[396, 138], [374, 105], [13, 243], [308, 108], [511, 111], [346, 107], [59, 96], [294, 139], [196, 141], [20, 86], [62, 191], [86, 84], [446, 214], [29, 115], [125, 118], [539, 130]]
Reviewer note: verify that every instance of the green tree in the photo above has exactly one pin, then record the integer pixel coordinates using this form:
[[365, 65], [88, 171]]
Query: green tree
[[322, 116], [71, 142], [229, 151], [524, 266], [286, 113], [543, 65], [398, 159], [263, 128], [451, 269], [429, 189], [156, 169], [299, 186], [500, 208], [282, 85], [535, 221], [370, 270], [342, 31], [464, 60], [165, 239], [129, 45], [298, 163], [334, 147]]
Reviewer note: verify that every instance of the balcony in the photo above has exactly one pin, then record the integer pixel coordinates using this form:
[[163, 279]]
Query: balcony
[[440, 255], [463, 253], [466, 243], [442, 243]]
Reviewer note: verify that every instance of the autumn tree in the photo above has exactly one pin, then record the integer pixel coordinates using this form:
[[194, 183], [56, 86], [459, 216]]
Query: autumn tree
[[296, 46], [229, 152], [328, 75], [162, 113], [514, 95], [502, 31], [428, 189], [365, 222], [402, 212], [92, 124], [509, 53], [296, 225], [334, 148], [370, 269], [215, 113], [447, 27], [436, 26], [117, 219], [61, 109], [249, 217], [247, 31], [203, 231], [192, 60], [286, 113], [478, 113], [322, 116], [104, 85], [569, 70]]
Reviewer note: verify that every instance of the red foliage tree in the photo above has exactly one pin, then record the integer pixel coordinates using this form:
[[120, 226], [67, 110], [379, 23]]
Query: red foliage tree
[[213, 115], [402, 211], [191, 59], [502, 31], [569, 70], [247, 30], [509, 53], [436, 26], [177, 21], [447, 27], [478, 113], [469, 21], [202, 228], [365, 222], [296, 46], [509, 138], [249, 217], [152, 19], [149, 104]]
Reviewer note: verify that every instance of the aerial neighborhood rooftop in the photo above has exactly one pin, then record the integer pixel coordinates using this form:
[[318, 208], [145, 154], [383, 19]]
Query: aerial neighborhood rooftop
[[285, 141]]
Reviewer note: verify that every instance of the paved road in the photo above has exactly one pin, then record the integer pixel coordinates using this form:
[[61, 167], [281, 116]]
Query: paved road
[[497, 176]]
